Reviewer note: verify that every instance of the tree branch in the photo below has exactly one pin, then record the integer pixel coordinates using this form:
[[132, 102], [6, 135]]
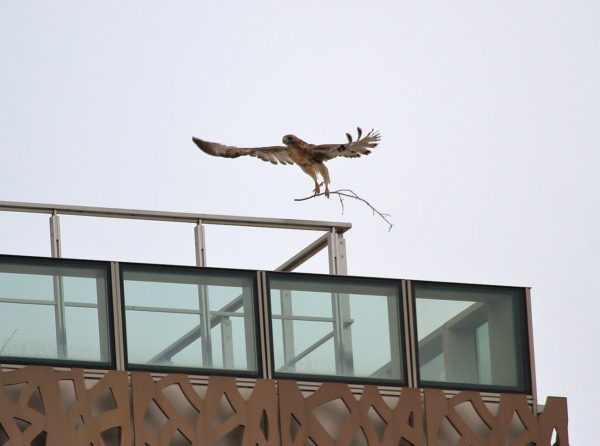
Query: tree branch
[[341, 193]]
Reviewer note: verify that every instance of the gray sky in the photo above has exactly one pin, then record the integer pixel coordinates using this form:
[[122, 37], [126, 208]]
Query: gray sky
[[489, 160]]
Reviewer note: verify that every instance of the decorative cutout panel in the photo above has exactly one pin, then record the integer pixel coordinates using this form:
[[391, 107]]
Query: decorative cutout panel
[[223, 415], [332, 415], [510, 423], [41, 406]]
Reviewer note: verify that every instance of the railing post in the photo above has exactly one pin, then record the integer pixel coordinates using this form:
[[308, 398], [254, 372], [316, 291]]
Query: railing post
[[200, 244], [203, 299], [58, 290], [55, 235], [340, 305], [337, 253]]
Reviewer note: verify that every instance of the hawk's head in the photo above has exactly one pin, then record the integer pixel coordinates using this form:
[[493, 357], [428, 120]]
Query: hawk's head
[[291, 140]]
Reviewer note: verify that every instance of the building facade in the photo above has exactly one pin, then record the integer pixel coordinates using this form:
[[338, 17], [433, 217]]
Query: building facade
[[114, 353]]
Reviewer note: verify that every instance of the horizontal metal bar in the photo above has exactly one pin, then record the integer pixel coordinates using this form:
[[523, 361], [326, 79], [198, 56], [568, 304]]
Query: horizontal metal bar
[[10, 300], [308, 252], [161, 309], [89, 211], [222, 314], [302, 318]]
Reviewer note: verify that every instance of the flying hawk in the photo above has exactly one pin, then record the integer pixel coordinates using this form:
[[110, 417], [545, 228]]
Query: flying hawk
[[309, 157]]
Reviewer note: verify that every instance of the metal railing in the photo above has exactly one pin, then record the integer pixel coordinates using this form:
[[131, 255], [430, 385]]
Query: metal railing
[[333, 238]]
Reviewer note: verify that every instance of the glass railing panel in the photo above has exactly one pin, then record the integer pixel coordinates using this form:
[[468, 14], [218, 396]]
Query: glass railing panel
[[190, 318], [54, 311], [334, 327], [472, 336]]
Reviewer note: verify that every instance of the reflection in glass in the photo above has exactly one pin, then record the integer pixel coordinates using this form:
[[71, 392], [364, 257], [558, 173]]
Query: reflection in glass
[[54, 309], [336, 326], [471, 336], [189, 318]]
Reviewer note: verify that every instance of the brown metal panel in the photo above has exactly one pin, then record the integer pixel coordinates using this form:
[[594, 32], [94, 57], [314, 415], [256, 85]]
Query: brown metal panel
[[203, 420], [303, 417], [512, 422], [69, 409]]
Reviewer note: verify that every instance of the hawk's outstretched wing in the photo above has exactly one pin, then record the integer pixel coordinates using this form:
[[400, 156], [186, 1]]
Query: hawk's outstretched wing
[[351, 149], [272, 154]]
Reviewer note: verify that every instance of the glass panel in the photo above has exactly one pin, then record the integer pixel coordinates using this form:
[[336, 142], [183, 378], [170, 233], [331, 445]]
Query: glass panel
[[54, 309], [27, 331], [15, 285], [82, 333], [329, 326], [189, 318], [471, 336]]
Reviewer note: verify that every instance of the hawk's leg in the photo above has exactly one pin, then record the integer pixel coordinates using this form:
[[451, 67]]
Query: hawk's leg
[[322, 168], [309, 169]]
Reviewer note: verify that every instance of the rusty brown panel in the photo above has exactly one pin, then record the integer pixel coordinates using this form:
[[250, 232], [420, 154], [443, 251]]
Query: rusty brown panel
[[513, 423], [169, 407], [301, 421], [36, 399]]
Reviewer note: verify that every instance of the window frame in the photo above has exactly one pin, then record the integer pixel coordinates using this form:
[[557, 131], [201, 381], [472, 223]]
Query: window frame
[[110, 328], [402, 330], [202, 371], [523, 350]]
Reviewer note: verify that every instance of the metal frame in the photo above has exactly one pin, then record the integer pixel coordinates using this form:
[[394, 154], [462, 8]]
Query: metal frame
[[333, 238], [340, 334], [106, 313], [207, 321], [404, 307], [522, 324]]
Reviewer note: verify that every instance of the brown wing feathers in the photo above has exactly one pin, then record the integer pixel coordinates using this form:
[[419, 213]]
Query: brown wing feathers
[[353, 149], [280, 155], [273, 154]]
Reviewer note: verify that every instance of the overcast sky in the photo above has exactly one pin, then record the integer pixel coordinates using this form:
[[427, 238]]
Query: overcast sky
[[489, 160]]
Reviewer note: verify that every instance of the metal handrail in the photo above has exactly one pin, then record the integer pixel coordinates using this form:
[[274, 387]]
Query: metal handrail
[[183, 217]]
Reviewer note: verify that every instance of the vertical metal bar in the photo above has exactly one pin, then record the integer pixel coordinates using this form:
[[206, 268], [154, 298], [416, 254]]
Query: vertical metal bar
[[410, 334], [59, 317], [200, 244], [249, 330], [103, 325], [342, 334], [332, 251], [287, 325], [205, 340], [58, 290], [531, 352], [338, 337], [342, 264], [207, 359], [264, 325], [393, 302], [227, 343], [55, 235], [340, 305], [118, 316], [336, 246]]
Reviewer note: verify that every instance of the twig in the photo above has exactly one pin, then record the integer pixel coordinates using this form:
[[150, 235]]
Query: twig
[[351, 194]]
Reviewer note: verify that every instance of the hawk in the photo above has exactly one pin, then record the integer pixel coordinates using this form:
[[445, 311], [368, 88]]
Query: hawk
[[309, 157]]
